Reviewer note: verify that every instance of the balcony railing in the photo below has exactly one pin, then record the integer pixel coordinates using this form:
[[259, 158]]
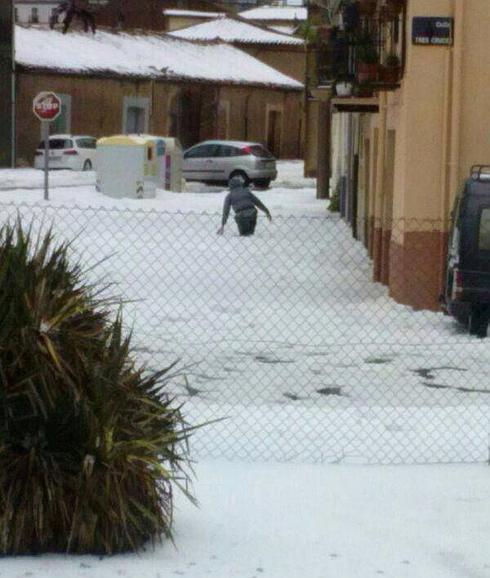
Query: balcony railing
[[367, 52]]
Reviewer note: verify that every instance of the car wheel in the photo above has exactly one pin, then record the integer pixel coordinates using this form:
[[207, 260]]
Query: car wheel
[[87, 166], [262, 183], [241, 174], [478, 321]]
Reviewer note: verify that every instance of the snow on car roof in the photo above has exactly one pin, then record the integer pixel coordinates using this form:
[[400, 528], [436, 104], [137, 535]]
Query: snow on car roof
[[231, 30], [157, 56], [276, 13]]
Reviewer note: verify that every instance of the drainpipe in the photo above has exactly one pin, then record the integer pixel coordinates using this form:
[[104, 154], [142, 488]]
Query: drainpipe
[[380, 183], [380, 169], [247, 101], [456, 96], [306, 113], [217, 104], [445, 192], [324, 145], [446, 137], [152, 105]]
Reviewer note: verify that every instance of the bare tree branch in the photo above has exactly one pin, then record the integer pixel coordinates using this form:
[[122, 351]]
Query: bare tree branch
[[73, 9]]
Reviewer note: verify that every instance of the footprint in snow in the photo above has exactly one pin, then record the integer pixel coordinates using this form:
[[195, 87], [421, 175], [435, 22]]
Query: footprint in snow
[[294, 396], [330, 391], [264, 359], [378, 360]]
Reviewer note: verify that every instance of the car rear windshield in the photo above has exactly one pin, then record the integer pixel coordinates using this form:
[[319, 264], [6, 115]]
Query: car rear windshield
[[484, 233], [58, 144], [260, 151]]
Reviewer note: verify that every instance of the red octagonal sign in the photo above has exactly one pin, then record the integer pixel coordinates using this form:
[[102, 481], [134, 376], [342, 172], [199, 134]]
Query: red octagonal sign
[[47, 106]]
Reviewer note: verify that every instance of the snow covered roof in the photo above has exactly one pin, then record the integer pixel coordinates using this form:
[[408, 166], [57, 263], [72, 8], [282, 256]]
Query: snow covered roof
[[145, 56], [192, 13], [284, 29], [231, 30], [276, 13]]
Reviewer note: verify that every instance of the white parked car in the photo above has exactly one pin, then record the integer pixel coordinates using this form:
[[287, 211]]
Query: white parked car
[[66, 151]]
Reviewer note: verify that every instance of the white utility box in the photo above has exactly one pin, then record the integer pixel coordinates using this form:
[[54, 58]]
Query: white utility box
[[130, 166], [174, 159]]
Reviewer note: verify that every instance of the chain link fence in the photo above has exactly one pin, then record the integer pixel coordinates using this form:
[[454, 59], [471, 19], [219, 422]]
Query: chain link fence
[[284, 337]]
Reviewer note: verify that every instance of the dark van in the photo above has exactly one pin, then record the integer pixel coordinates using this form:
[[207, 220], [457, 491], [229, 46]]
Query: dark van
[[467, 288]]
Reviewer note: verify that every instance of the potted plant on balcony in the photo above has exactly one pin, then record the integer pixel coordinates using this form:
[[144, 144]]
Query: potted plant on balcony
[[391, 70], [367, 62], [344, 85]]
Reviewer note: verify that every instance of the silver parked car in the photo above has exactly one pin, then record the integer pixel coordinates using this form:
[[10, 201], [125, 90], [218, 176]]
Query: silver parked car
[[216, 161]]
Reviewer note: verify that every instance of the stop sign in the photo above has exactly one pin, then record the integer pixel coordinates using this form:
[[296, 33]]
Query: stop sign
[[47, 106]]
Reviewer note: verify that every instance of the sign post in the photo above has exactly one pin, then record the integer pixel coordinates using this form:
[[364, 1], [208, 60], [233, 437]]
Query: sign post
[[47, 107]]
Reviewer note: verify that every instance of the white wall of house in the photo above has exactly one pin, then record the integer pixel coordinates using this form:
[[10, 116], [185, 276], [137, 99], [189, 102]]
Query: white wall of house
[[34, 12]]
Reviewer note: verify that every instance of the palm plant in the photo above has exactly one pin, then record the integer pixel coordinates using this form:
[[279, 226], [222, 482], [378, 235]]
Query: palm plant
[[90, 444], [73, 9]]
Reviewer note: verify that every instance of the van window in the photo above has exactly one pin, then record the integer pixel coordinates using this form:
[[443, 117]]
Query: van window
[[484, 232]]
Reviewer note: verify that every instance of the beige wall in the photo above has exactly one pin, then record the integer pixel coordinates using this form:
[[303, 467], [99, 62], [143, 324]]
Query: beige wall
[[179, 22], [97, 109], [248, 116], [421, 123], [289, 61], [96, 106], [437, 102], [475, 103]]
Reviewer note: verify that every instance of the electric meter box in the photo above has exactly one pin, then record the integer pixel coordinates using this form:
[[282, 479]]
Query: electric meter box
[[131, 166]]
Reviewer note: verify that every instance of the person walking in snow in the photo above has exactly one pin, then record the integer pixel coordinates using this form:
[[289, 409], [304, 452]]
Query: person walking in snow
[[245, 205]]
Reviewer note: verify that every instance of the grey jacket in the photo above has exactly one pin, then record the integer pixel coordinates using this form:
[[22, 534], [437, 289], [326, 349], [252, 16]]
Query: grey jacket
[[240, 198]]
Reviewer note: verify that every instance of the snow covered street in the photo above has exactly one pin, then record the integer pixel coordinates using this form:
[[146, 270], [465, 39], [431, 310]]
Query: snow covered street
[[285, 336], [284, 521], [284, 332]]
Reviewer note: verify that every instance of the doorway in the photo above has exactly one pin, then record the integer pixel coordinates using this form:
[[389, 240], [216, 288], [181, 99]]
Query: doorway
[[274, 132]]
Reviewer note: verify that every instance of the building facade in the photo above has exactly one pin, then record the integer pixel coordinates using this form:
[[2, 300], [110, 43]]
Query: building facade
[[34, 11], [283, 52], [401, 144], [113, 84]]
